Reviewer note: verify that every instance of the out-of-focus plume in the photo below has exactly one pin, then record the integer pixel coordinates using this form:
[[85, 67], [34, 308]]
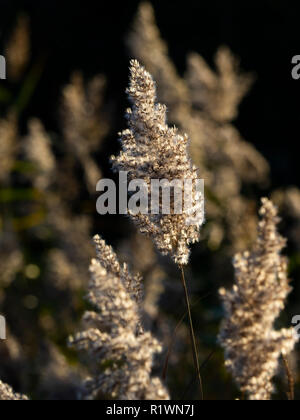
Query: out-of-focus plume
[[218, 94], [11, 260], [59, 380], [38, 150], [18, 49], [84, 126], [288, 201], [8, 146], [147, 46]]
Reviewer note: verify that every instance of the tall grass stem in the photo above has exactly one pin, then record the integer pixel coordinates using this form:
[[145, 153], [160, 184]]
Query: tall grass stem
[[192, 332]]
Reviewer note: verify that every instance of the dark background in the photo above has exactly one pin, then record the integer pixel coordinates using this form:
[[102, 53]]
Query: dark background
[[90, 36]]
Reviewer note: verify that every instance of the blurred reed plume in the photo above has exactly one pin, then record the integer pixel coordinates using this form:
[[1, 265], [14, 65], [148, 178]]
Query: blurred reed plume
[[8, 147], [288, 201], [59, 380], [121, 352], [11, 259], [18, 49], [38, 151], [252, 345], [217, 94], [84, 126]]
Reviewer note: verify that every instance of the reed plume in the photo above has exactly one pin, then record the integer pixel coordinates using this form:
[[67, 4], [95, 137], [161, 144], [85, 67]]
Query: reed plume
[[121, 352], [7, 394], [151, 150], [252, 345]]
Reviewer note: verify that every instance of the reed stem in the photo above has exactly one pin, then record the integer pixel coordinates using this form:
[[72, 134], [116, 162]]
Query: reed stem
[[193, 338], [291, 383]]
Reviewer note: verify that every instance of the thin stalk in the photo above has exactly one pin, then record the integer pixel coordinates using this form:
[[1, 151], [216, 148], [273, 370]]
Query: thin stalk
[[166, 364], [291, 393], [193, 338], [196, 376]]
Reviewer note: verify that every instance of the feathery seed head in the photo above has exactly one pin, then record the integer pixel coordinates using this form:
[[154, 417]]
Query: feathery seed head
[[252, 345], [120, 351], [151, 150], [7, 394]]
